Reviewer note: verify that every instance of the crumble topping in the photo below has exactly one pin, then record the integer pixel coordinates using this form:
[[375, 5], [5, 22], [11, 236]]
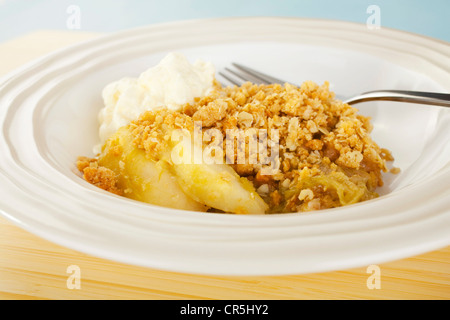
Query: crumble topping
[[326, 155], [99, 176]]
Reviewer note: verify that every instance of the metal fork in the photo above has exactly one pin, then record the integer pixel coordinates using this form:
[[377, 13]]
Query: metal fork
[[243, 74]]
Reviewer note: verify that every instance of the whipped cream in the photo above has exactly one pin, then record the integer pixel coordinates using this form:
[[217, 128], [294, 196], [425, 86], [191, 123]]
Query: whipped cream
[[172, 83]]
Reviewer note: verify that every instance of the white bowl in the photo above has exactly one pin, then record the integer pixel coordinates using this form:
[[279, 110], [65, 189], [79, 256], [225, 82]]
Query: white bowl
[[48, 117]]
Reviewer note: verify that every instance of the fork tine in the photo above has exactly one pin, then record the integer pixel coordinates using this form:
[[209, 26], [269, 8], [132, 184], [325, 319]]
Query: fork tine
[[238, 77], [230, 79], [244, 77], [259, 75]]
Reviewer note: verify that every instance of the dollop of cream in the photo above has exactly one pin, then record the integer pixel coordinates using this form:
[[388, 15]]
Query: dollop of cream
[[172, 83]]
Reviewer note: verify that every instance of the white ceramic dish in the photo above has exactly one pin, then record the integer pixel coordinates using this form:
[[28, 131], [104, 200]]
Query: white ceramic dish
[[48, 113]]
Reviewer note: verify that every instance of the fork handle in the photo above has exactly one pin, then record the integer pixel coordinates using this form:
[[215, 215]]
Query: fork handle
[[432, 98]]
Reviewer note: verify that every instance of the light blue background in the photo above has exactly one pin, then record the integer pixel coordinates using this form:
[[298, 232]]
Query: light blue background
[[17, 17]]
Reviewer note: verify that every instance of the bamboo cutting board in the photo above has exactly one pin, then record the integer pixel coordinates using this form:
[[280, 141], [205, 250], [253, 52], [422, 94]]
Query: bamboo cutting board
[[33, 268]]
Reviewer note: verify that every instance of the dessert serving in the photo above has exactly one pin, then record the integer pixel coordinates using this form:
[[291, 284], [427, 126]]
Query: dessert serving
[[176, 137]]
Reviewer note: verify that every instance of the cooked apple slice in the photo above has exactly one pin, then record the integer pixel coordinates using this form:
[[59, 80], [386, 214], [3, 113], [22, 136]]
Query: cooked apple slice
[[216, 185], [141, 178], [219, 186]]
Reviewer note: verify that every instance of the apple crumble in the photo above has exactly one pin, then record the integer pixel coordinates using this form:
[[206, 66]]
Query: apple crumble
[[300, 150]]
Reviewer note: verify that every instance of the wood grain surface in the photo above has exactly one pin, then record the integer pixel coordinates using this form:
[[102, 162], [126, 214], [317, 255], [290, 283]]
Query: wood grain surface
[[33, 268]]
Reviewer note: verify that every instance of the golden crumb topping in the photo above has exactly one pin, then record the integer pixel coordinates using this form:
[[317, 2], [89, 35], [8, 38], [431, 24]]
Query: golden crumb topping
[[318, 135], [324, 155], [99, 176]]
